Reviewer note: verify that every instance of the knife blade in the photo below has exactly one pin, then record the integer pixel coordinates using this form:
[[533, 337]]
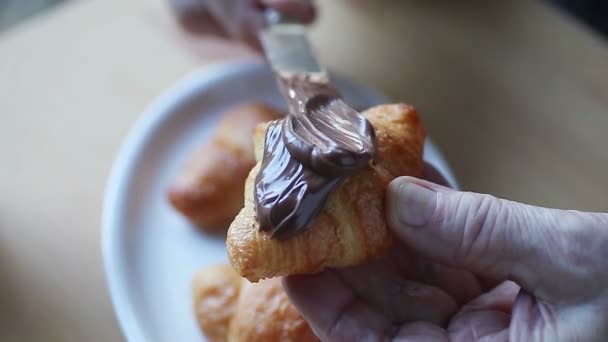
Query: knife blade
[[286, 45]]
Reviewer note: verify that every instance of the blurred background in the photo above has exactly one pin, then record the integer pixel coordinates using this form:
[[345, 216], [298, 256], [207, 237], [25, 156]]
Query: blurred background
[[13, 11], [514, 92], [592, 12]]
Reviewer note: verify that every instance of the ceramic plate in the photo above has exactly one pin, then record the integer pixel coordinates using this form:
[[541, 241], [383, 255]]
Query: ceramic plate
[[150, 252]]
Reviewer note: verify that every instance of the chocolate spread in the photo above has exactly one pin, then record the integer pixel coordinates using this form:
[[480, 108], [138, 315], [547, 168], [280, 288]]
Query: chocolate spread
[[307, 154]]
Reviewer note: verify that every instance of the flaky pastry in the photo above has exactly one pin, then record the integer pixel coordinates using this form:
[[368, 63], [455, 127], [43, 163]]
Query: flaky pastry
[[209, 188], [215, 292], [229, 308], [264, 313], [351, 228]]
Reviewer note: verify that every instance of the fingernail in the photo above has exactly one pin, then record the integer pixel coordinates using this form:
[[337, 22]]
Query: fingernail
[[416, 204]]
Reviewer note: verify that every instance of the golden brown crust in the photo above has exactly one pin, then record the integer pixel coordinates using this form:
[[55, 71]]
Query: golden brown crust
[[264, 313], [209, 188], [229, 308], [215, 292], [352, 227]]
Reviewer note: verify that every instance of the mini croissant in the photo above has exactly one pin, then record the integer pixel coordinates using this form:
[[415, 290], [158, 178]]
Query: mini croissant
[[209, 188], [351, 228], [229, 308]]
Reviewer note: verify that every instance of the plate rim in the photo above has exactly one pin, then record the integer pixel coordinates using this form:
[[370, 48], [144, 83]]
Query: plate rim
[[124, 165]]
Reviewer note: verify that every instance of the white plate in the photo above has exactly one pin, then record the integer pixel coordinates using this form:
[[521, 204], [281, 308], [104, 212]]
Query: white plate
[[150, 252]]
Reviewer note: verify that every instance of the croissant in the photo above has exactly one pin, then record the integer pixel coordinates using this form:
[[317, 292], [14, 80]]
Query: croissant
[[209, 188], [216, 291], [351, 228], [264, 313], [229, 308]]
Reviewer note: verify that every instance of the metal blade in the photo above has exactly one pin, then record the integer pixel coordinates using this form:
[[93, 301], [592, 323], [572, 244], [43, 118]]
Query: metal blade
[[288, 49]]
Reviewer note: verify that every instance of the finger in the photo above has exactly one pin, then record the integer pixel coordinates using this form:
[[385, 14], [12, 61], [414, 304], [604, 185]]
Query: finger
[[241, 21], [395, 296], [302, 10], [332, 310], [501, 298], [251, 21], [421, 332], [194, 17], [487, 317], [461, 285], [535, 320], [495, 238], [490, 329]]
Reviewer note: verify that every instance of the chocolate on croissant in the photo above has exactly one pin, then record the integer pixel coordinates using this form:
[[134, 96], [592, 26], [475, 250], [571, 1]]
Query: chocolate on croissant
[[209, 188], [351, 228], [229, 308]]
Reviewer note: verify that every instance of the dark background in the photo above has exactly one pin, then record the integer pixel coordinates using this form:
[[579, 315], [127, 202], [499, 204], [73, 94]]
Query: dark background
[[592, 12]]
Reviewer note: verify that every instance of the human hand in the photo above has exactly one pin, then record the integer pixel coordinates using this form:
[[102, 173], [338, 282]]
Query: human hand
[[236, 19], [441, 284]]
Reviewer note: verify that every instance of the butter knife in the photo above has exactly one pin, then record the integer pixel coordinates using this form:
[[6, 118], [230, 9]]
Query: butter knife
[[286, 45]]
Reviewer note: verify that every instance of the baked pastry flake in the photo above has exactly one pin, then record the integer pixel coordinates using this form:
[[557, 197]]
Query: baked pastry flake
[[351, 228], [209, 188], [229, 308]]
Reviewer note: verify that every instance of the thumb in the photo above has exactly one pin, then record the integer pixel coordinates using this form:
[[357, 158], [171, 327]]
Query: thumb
[[491, 237]]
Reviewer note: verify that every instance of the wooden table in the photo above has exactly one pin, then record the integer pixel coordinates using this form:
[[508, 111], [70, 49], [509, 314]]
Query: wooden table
[[515, 93]]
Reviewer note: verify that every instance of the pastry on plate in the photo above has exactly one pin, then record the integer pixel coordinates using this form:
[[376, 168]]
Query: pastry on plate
[[229, 308], [209, 188], [264, 313], [351, 227], [215, 294]]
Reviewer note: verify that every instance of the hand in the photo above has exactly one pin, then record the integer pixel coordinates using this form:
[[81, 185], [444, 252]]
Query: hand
[[237, 19], [472, 267]]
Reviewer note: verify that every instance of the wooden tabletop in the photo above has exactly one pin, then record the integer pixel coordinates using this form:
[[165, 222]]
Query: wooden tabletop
[[514, 93]]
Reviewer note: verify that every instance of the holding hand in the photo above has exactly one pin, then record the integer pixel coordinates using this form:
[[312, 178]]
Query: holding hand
[[236, 19], [471, 267]]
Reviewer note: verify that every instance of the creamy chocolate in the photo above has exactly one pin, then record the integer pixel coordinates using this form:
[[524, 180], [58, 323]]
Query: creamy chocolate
[[307, 154], [322, 131]]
